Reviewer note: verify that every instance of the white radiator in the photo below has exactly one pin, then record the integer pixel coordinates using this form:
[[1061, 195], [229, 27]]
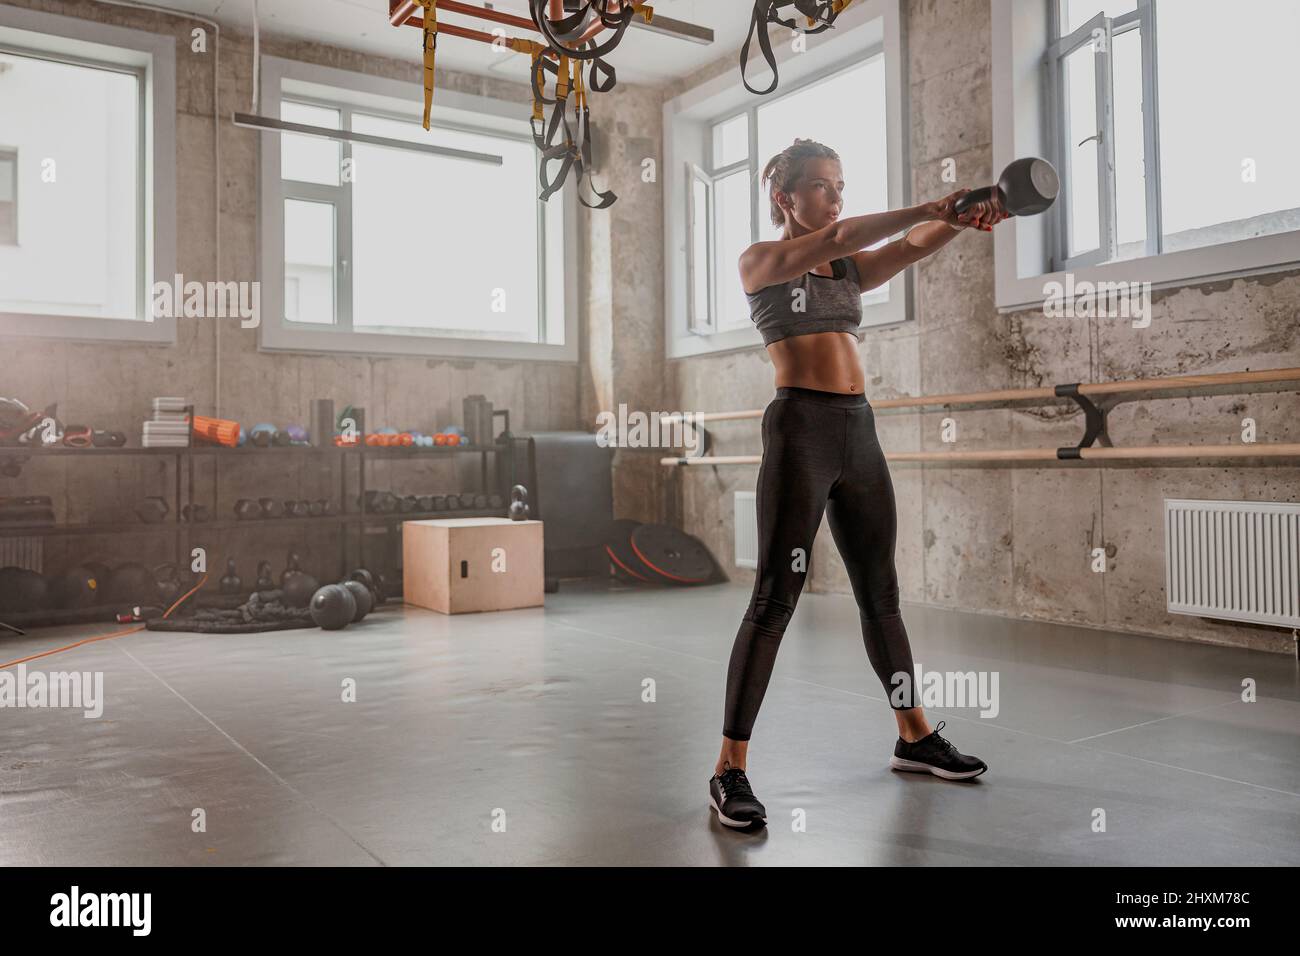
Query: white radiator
[[746, 530], [1235, 560]]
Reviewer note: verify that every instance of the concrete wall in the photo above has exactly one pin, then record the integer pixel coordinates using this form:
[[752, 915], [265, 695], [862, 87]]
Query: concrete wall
[[111, 385], [1013, 540]]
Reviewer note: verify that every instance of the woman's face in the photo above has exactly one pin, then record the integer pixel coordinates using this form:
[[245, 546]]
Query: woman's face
[[818, 196]]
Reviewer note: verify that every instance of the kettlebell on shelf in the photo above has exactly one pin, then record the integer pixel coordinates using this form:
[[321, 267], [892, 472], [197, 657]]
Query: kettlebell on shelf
[[230, 583]]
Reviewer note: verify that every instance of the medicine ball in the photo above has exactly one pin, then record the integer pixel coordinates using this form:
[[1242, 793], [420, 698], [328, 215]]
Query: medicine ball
[[131, 584], [361, 594], [21, 590], [333, 607], [76, 587]]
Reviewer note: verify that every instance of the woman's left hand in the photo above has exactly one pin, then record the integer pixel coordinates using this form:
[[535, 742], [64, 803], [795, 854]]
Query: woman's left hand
[[983, 215]]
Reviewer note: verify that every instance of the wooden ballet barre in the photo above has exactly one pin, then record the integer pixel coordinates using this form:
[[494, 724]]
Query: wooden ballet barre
[[1096, 443], [1047, 393], [1277, 450]]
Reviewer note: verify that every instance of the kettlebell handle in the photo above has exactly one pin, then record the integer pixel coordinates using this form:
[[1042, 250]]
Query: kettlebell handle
[[983, 194]]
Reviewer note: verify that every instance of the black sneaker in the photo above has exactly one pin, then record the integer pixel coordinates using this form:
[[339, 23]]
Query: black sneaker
[[732, 797], [933, 754]]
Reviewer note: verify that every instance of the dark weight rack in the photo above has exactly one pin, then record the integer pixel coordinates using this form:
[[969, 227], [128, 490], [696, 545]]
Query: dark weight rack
[[183, 471]]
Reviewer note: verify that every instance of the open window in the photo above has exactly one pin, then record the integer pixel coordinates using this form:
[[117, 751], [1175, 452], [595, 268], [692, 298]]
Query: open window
[[718, 137], [1161, 117]]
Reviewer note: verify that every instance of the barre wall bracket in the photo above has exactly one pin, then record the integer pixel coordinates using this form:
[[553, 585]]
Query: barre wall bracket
[[1095, 423]]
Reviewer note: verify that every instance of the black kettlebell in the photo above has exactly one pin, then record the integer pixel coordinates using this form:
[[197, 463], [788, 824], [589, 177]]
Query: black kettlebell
[[168, 583], [365, 577], [297, 585], [230, 582], [518, 503], [1026, 187], [152, 510]]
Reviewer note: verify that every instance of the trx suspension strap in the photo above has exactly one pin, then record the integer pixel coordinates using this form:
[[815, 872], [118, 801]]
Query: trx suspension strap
[[824, 12], [570, 153], [556, 31], [583, 158], [430, 51]]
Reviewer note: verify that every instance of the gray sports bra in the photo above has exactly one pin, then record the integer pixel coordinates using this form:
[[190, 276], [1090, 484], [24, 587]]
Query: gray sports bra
[[828, 304]]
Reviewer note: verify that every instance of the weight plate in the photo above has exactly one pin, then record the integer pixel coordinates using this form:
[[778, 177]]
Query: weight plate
[[622, 558], [671, 555]]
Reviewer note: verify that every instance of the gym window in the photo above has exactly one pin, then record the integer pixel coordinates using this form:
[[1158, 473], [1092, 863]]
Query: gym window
[[718, 139], [379, 249], [1143, 105], [88, 136], [8, 195]]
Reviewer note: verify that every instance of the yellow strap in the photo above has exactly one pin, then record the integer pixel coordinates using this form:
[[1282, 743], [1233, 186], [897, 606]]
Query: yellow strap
[[430, 52], [562, 79], [524, 45], [539, 108], [579, 93], [837, 7]]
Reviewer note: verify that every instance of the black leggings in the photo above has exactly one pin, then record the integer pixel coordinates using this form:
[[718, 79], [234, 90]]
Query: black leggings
[[820, 454]]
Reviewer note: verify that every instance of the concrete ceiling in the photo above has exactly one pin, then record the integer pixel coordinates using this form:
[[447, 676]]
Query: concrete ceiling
[[643, 57]]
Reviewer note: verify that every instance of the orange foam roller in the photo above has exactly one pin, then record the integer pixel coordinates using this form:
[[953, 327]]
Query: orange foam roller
[[216, 431]]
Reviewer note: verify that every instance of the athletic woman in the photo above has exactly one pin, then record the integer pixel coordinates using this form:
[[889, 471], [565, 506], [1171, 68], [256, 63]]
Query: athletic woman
[[820, 453]]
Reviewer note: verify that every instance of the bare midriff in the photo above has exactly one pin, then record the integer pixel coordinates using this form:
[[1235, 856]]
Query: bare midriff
[[826, 361]]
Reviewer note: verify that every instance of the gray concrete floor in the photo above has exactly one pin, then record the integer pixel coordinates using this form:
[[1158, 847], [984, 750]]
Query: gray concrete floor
[[536, 717]]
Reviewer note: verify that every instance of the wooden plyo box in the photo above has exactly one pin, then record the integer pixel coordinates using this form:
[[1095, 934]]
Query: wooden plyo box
[[457, 565]]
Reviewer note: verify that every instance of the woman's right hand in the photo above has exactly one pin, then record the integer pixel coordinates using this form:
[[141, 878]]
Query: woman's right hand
[[944, 209]]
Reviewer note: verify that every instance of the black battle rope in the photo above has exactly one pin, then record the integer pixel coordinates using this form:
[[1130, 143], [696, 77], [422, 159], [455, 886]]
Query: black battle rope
[[824, 12]]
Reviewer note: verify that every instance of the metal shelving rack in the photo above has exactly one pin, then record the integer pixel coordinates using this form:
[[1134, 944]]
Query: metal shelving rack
[[183, 471]]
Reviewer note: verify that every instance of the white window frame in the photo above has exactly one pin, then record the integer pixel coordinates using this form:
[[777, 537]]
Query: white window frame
[[11, 154], [1105, 29], [152, 57], [864, 30], [276, 334], [1028, 252], [700, 324]]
